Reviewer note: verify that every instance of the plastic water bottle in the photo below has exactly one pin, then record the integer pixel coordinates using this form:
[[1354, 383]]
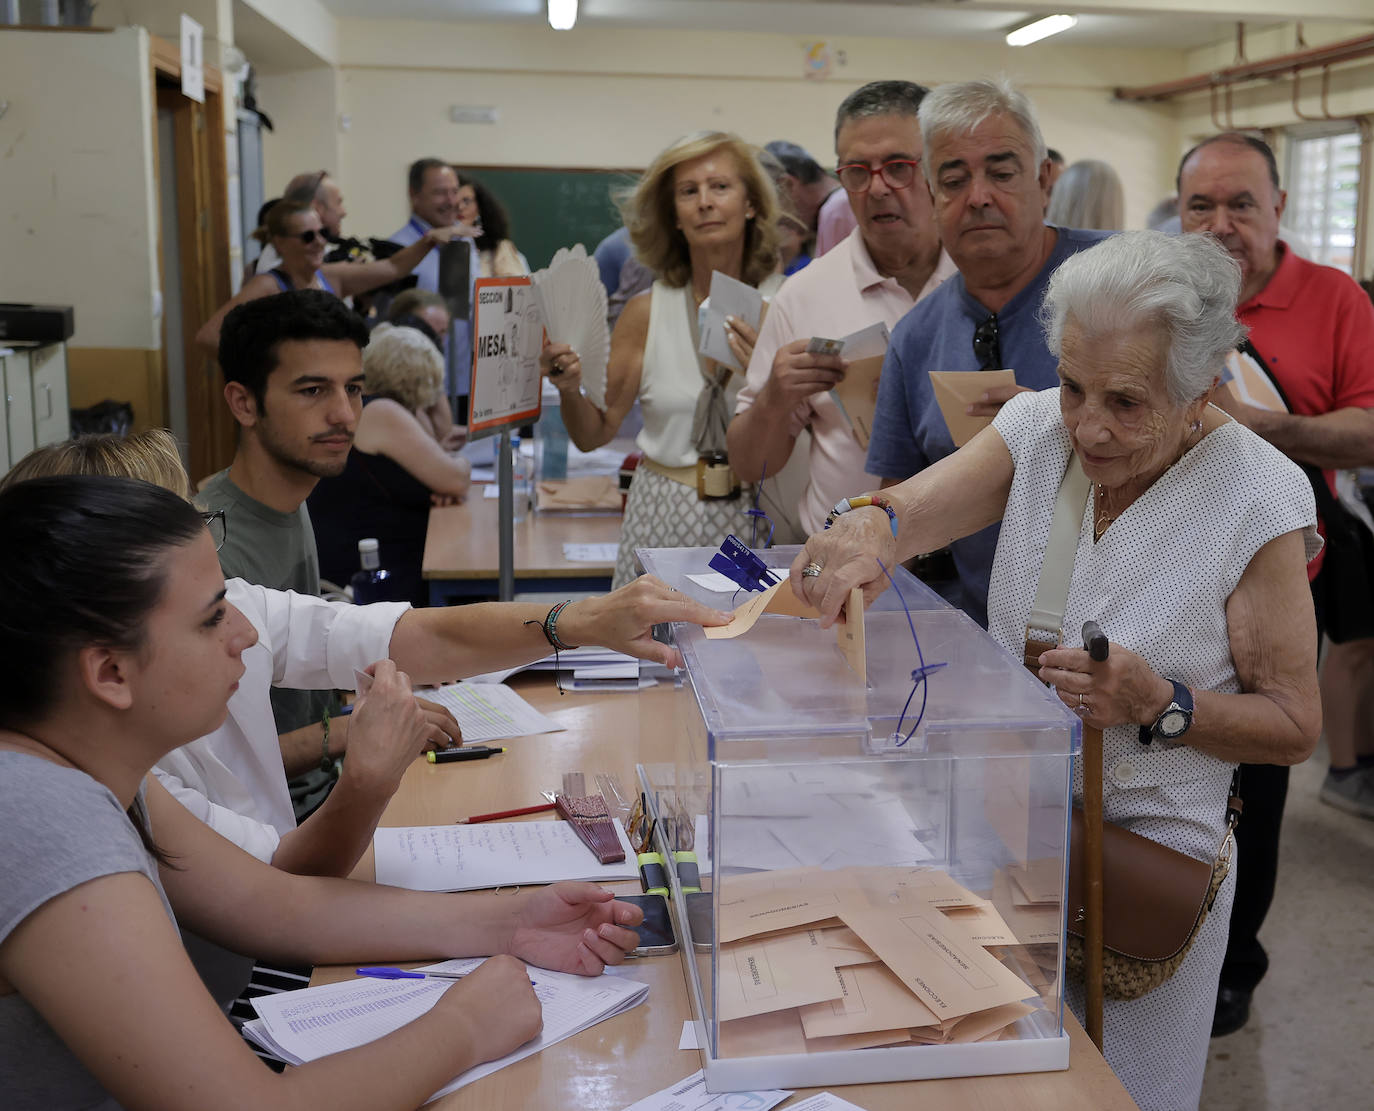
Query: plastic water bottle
[[521, 475], [373, 582], [553, 435]]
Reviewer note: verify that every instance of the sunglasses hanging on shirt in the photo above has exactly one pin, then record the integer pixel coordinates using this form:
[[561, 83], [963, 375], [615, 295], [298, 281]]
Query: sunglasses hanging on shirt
[[987, 344]]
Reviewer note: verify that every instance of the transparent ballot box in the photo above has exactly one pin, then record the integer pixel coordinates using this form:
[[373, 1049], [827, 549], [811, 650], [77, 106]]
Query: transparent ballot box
[[867, 852]]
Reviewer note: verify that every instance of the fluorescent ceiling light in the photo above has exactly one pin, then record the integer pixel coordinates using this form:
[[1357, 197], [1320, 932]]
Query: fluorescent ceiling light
[[562, 14], [1018, 36]]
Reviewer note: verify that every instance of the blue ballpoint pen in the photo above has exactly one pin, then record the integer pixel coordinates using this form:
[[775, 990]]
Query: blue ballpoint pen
[[387, 973], [404, 974]]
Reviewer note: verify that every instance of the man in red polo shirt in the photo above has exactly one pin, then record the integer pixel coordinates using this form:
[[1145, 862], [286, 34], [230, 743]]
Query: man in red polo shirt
[[1313, 329]]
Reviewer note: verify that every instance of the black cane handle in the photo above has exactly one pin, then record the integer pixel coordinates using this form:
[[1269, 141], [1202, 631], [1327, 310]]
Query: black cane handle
[[1095, 640]]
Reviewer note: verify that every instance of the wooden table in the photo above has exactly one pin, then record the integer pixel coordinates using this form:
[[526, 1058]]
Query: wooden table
[[462, 550], [623, 1059]]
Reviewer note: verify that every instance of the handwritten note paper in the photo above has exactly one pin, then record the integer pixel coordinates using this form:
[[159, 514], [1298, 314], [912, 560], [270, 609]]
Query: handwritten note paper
[[493, 854]]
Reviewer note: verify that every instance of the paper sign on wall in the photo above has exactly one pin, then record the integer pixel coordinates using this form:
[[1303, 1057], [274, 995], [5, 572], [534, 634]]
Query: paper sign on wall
[[507, 335], [192, 59]]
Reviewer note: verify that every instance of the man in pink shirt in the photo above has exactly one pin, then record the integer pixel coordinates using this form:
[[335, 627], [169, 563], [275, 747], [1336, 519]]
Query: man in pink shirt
[[889, 262], [834, 222]]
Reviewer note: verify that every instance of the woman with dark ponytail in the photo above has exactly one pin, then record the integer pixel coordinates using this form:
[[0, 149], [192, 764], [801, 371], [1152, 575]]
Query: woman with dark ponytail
[[117, 646]]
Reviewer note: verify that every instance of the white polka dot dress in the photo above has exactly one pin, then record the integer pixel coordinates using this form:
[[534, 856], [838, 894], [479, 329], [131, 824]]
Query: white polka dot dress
[[1157, 582]]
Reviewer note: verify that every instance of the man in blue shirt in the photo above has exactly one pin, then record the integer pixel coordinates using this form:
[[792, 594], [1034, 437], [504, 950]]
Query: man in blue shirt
[[985, 164], [433, 186]]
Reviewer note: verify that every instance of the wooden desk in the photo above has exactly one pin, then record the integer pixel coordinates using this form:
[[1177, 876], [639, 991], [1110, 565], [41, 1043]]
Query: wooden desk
[[462, 550], [626, 1058]]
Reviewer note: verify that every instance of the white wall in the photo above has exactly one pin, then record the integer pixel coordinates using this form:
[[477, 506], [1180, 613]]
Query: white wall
[[79, 210], [614, 98]]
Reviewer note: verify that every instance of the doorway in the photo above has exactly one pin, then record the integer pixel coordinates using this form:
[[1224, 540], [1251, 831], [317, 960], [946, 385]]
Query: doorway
[[193, 253]]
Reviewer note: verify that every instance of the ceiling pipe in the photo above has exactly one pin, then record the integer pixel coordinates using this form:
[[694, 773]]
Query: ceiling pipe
[[1348, 51]]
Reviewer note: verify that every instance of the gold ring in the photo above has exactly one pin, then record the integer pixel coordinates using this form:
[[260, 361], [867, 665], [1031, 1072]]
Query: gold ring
[[811, 570]]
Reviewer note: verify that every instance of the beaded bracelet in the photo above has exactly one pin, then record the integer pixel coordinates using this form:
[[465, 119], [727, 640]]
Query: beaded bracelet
[[551, 628], [874, 500]]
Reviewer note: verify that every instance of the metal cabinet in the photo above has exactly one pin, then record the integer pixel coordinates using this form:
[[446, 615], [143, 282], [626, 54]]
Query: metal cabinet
[[36, 413]]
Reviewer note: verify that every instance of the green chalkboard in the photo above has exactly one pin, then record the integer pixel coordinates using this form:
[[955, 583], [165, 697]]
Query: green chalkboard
[[555, 208]]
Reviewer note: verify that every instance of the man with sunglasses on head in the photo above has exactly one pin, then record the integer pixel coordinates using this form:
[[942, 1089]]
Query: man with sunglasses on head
[[890, 261], [988, 175], [317, 189]]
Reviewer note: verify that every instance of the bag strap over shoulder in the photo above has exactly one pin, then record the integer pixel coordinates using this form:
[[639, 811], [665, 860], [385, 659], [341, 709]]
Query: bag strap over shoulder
[[1044, 626]]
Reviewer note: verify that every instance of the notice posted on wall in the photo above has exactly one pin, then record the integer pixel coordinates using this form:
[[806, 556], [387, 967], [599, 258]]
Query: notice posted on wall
[[507, 336]]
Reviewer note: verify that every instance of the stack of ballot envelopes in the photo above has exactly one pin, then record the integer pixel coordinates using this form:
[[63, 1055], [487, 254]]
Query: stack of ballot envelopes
[[815, 960]]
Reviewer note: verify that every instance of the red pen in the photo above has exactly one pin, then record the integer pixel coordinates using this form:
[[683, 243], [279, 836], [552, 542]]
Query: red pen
[[498, 815]]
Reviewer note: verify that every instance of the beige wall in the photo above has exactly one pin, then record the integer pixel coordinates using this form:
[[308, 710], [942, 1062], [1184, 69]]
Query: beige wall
[[76, 175], [304, 108], [603, 98]]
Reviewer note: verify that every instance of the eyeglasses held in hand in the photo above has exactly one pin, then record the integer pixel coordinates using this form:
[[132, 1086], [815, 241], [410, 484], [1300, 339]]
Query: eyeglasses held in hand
[[218, 524], [897, 173], [987, 344]]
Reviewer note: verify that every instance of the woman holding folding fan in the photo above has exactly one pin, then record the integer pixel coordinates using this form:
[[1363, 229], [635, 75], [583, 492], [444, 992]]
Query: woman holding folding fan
[[704, 205], [1187, 542]]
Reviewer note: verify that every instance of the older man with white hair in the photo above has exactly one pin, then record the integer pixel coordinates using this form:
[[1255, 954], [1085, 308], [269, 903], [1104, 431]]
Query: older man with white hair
[[988, 174]]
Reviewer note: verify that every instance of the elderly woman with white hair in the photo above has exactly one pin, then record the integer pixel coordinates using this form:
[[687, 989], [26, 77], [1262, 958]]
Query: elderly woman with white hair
[[396, 470], [1190, 551]]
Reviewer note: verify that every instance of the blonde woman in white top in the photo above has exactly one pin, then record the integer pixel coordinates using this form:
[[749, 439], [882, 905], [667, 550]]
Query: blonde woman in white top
[[704, 205]]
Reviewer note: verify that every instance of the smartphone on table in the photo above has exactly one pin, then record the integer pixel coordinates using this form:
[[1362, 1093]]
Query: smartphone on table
[[656, 934]]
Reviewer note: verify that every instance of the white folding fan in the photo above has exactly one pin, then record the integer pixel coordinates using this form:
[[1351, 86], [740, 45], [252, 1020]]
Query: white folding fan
[[572, 301]]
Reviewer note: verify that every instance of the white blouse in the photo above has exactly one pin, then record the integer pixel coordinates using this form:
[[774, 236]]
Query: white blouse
[[233, 779]]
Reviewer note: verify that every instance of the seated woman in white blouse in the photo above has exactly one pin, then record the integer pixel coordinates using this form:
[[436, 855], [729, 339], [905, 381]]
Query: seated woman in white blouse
[[1192, 553]]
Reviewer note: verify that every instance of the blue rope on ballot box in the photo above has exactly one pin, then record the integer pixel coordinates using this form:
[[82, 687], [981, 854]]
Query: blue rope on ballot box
[[919, 675]]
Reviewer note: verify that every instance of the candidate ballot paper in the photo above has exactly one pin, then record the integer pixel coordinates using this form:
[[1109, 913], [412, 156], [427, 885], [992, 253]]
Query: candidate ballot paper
[[491, 854], [301, 1026]]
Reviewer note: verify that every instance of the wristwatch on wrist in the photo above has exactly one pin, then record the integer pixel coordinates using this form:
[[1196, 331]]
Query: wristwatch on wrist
[[1175, 721]]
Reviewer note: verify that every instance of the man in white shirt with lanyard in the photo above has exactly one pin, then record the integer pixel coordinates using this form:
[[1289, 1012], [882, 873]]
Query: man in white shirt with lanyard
[[433, 186]]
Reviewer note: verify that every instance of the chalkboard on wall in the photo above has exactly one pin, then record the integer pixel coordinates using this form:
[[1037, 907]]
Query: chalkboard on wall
[[555, 208]]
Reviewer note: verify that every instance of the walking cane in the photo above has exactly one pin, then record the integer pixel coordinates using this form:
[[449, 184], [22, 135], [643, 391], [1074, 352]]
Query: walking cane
[[1096, 643]]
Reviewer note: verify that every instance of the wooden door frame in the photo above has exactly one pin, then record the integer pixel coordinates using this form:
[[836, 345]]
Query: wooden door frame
[[202, 183]]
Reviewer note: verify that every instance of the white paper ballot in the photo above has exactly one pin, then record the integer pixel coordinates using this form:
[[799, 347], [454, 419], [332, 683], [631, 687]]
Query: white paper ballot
[[715, 581], [490, 854], [487, 712], [728, 298], [866, 342], [691, 1095], [689, 1039], [491, 491], [302, 1026], [825, 1101], [590, 553]]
